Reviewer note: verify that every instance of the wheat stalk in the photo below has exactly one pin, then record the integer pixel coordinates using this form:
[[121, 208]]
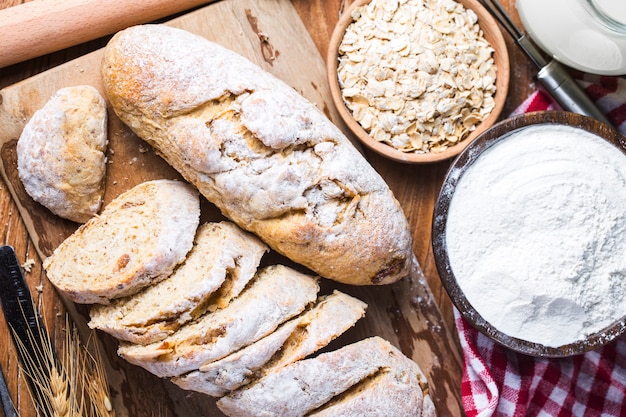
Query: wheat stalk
[[52, 377], [71, 385], [96, 383]]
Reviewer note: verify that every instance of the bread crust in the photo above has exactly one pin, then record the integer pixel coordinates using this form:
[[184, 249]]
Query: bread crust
[[137, 240], [236, 369], [61, 157], [268, 158]]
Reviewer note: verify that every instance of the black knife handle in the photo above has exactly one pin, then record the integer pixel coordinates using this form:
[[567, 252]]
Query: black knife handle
[[17, 303], [28, 332]]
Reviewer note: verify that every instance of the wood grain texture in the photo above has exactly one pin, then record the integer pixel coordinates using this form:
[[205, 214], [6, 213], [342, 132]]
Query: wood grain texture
[[415, 186]]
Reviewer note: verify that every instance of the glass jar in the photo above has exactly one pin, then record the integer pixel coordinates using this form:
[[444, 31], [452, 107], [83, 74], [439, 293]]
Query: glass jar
[[589, 35], [610, 13]]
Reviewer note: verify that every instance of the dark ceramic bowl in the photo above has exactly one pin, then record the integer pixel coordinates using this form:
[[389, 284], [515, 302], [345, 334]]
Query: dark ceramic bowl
[[449, 281]]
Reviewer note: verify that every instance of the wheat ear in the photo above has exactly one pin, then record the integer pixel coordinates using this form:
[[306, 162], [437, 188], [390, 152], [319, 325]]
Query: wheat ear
[[96, 383], [55, 396]]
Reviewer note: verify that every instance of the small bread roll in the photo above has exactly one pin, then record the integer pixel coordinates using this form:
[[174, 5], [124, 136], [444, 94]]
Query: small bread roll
[[61, 153]]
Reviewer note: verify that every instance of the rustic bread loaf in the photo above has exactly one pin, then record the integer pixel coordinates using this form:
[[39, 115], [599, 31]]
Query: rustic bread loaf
[[61, 153], [222, 261], [137, 240], [304, 386], [268, 158], [275, 295], [331, 316]]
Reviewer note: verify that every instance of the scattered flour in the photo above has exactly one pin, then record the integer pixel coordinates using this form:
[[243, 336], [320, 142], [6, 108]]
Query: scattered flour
[[536, 234]]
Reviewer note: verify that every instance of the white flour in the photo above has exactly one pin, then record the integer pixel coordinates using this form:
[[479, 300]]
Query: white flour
[[536, 234]]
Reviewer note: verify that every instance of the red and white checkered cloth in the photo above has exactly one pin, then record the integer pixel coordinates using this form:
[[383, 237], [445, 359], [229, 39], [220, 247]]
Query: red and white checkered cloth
[[499, 382], [609, 94]]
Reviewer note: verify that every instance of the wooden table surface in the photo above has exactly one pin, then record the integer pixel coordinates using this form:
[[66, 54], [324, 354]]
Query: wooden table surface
[[416, 187]]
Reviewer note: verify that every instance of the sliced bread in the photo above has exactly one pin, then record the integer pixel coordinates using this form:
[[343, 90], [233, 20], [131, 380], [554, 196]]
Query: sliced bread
[[332, 316], [275, 295], [236, 369], [221, 252], [138, 239], [398, 390], [329, 318], [306, 385]]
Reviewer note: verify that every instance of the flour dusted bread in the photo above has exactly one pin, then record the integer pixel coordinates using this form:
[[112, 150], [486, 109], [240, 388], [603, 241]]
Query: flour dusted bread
[[269, 159], [308, 385], [223, 260], [61, 153], [276, 294], [331, 316], [399, 389], [137, 240], [303, 386], [236, 369]]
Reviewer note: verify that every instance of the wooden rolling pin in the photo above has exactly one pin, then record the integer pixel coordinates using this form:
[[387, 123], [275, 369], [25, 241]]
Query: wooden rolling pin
[[39, 27]]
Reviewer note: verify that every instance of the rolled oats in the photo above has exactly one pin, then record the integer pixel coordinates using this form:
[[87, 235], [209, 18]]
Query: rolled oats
[[416, 74]]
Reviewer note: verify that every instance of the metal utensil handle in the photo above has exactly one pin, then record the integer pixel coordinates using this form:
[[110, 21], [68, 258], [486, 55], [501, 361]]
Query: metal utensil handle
[[566, 91], [17, 303]]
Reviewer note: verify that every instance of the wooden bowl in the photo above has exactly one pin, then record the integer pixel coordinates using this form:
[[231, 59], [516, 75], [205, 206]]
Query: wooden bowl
[[491, 32], [442, 261]]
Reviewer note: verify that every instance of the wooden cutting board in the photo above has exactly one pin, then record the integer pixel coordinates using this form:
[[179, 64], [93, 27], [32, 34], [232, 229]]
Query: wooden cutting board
[[271, 35]]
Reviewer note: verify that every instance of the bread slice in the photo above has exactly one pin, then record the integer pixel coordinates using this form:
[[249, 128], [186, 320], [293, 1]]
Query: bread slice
[[329, 318], [223, 258], [138, 239], [306, 385], [236, 369], [269, 159], [333, 315], [61, 153], [275, 295], [398, 390]]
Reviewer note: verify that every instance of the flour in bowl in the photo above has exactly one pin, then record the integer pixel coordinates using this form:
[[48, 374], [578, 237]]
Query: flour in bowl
[[536, 234]]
